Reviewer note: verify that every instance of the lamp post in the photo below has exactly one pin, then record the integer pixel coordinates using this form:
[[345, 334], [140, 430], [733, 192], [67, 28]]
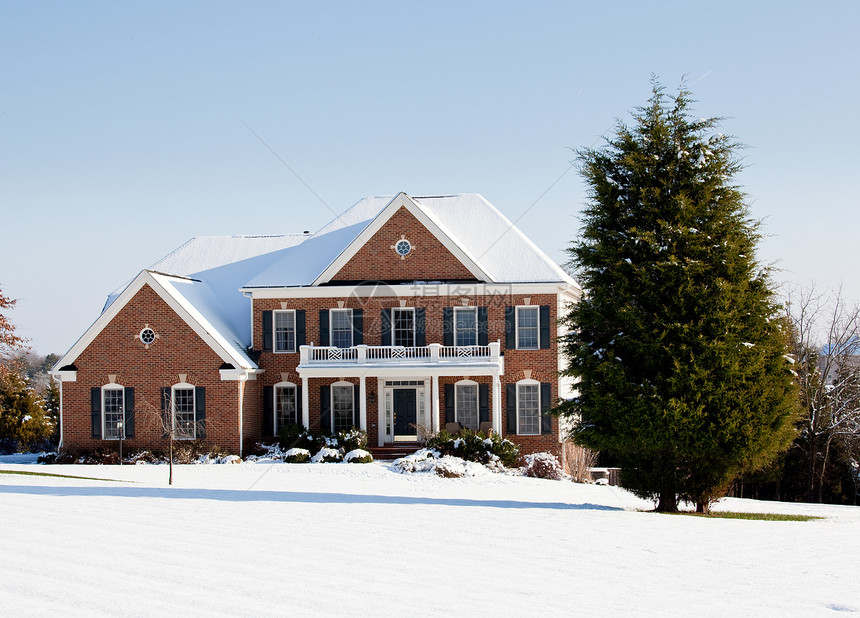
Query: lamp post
[[121, 430]]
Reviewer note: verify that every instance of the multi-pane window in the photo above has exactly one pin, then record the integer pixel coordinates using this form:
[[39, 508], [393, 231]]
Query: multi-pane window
[[183, 413], [403, 324], [341, 328], [528, 331], [285, 406], [285, 331], [465, 326], [466, 406], [528, 409], [341, 407], [113, 406]]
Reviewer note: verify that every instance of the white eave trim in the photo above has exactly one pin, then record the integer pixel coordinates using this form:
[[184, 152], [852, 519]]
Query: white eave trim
[[64, 375], [239, 374], [412, 290], [401, 200]]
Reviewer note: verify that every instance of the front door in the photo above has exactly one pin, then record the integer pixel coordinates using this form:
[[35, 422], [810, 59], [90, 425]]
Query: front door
[[405, 413]]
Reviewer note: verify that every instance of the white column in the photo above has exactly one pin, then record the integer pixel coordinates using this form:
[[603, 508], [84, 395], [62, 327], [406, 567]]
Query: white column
[[497, 404], [306, 413], [435, 407], [380, 410], [362, 402]]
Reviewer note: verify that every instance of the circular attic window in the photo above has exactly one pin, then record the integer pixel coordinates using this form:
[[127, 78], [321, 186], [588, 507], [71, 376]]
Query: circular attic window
[[403, 247], [147, 336]]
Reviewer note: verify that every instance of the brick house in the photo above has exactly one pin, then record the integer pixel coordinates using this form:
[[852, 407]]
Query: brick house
[[401, 315]]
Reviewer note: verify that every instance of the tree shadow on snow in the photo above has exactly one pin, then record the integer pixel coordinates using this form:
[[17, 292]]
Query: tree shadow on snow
[[305, 497]]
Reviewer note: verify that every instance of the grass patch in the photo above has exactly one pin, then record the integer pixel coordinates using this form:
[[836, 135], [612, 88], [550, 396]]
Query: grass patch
[[751, 516], [61, 476]]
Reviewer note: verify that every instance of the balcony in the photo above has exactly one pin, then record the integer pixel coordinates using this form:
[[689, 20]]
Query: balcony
[[434, 358]]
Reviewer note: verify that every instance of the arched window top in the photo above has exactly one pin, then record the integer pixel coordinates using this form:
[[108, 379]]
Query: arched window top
[[466, 382], [530, 381], [284, 384]]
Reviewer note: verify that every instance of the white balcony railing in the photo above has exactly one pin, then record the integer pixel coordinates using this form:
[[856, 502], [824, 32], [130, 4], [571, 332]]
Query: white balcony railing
[[373, 354]]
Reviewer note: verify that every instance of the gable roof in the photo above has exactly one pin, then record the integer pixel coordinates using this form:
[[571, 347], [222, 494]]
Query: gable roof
[[484, 240]]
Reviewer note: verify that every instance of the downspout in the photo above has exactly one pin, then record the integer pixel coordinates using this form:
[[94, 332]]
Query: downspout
[[242, 379], [60, 382]]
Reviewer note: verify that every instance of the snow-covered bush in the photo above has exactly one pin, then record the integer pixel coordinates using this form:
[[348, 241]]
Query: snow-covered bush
[[358, 455], [454, 467], [473, 446], [352, 439], [327, 455], [422, 460], [430, 460], [297, 455], [543, 466]]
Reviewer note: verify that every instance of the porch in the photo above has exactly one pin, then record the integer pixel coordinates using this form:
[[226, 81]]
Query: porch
[[406, 397]]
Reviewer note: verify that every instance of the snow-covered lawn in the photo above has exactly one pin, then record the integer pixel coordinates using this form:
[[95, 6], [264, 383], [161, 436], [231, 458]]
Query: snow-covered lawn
[[258, 539]]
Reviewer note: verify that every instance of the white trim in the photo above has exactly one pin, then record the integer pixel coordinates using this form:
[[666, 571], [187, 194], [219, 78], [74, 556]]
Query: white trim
[[467, 382], [392, 321], [473, 310], [331, 313], [401, 200], [275, 332], [340, 383], [417, 290], [528, 382], [517, 326], [183, 386]]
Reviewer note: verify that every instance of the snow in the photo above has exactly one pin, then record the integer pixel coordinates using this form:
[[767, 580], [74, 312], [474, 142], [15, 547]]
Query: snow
[[279, 539]]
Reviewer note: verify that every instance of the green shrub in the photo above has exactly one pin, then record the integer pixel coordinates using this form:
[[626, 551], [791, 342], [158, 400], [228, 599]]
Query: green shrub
[[352, 439], [297, 455], [294, 435], [358, 456], [473, 446]]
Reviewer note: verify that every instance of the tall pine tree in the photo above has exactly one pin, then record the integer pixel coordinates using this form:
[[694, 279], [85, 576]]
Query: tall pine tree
[[677, 343]]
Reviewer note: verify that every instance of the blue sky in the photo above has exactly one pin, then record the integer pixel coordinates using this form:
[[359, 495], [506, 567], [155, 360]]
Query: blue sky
[[128, 127]]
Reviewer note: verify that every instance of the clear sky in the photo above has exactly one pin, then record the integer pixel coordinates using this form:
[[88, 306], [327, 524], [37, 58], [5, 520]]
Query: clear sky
[[128, 127]]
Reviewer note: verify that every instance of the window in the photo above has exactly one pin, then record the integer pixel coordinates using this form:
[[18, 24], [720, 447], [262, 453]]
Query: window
[[528, 408], [342, 406], [466, 404], [147, 336], [528, 331], [285, 331], [184, 417], [286, 405], [403, 325], [465, 326], [113, 405], [341, 328]]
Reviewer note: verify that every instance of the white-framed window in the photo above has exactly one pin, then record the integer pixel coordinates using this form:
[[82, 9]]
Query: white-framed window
[[341, 327], [342, 406], [466, 404], [465, 326], [286, 405], [403, 326], [528, 328], [184, 412], [113, 412], [528, 407], [284, 325]]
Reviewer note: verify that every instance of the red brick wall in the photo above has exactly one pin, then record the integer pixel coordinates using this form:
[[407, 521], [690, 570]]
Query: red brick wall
[[177, 349], [428, 260], [542, 363]]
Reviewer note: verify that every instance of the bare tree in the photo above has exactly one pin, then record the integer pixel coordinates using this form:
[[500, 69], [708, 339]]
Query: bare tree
[[171, 423], [826, 344]]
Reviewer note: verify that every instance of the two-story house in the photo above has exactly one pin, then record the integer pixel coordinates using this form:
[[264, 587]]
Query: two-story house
[[401, 315]]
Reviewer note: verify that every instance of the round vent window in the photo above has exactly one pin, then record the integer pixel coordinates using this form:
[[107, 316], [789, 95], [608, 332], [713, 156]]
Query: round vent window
[[403, 247], [147, 336]]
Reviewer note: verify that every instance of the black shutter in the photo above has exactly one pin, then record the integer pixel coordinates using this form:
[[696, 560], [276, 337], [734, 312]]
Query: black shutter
[[325, 409], [96, 411], [511, 405], [448, 326], [165, 411], [545, 405], [483, 402], [510, 327], [356, 411], [483, 336], [544, 327], [267, 331], [449, 403], [301, 330], [357, 327], [385, 327], [299, 405], [200, 402], [324, 338], [129, 412], [269, 411], [420, 337]]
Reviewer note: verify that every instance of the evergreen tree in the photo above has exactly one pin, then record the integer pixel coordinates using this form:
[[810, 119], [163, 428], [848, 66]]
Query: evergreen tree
[[24, 421], [677, 343]]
